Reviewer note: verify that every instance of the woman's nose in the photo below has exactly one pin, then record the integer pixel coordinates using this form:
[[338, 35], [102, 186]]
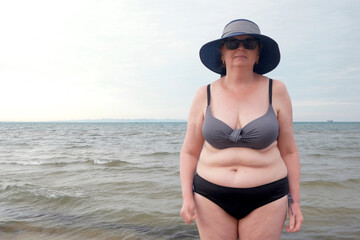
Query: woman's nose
[[241, 47]]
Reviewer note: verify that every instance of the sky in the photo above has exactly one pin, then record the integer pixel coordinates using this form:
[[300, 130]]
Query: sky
[[139, 59]]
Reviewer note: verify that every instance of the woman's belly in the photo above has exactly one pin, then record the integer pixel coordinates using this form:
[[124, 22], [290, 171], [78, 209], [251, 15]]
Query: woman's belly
[[241, 167]]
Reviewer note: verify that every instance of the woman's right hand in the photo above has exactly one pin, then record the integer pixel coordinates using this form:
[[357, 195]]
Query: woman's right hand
[[188, 210]]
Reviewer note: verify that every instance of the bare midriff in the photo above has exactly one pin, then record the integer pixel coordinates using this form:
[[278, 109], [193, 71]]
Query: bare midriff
[[241, 167]]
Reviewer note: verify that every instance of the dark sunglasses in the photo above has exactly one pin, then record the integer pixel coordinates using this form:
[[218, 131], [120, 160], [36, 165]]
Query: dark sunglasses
[[248, 43]]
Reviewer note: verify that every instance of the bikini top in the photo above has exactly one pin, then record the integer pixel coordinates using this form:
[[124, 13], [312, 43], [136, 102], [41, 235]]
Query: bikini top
[[257, 134]]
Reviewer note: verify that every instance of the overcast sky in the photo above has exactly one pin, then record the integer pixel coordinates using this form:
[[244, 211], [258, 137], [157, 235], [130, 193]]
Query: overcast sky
[[96, 59]]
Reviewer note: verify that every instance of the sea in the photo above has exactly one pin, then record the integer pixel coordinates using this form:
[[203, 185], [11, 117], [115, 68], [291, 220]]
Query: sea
[[120, 180]]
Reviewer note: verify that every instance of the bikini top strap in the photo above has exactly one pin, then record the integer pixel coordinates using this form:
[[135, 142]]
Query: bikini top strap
[[208, 94], [270, 90]]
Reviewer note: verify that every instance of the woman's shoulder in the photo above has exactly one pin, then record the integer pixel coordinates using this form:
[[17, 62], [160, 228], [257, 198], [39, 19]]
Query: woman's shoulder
[[200, 98], [279, 87], [202, 91], [281, 96]]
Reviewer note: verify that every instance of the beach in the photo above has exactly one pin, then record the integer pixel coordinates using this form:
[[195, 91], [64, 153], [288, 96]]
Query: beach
[[118, 180]]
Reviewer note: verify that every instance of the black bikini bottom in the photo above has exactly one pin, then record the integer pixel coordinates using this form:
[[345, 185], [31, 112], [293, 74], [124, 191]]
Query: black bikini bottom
[[239, 202]]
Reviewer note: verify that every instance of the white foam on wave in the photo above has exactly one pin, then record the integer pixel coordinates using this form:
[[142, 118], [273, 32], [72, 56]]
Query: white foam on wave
[[24, 163], [52, 194], [101, 162]]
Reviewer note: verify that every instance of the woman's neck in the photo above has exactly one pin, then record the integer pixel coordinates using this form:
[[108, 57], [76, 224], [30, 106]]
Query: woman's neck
[[234, 79]]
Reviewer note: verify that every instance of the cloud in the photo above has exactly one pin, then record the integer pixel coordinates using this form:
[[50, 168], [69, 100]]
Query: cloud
[[321, 103], [139, 59], [348, 72]]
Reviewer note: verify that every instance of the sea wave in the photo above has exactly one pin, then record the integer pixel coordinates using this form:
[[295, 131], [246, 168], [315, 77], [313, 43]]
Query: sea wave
[[109, 163], [41, 162], [121, 181], [33, 192], [160, 154], [343, 184]]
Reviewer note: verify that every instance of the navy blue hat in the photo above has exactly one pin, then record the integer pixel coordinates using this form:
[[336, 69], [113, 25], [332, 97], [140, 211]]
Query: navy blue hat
[[269, 56]]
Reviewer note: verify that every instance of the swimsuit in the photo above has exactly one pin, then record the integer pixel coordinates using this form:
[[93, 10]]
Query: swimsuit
[[258, 134], [239, 202]]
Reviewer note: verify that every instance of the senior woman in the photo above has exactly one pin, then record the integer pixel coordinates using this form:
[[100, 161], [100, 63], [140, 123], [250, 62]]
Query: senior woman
[[240, 183]]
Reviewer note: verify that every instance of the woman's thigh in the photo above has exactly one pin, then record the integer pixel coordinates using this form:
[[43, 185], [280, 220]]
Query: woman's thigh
[[213, 222], [265, 222]]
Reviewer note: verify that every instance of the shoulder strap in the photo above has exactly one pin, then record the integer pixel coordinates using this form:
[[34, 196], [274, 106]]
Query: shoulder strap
[[270, 91], [208, 94]]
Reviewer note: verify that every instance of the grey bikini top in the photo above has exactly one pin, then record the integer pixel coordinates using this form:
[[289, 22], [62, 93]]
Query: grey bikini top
[[257, 134]]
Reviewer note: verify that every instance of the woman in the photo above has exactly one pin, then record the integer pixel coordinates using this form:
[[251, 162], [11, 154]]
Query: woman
[[240, 182]]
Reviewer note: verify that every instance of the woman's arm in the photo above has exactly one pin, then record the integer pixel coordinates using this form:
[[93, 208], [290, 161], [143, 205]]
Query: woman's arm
[[289, 152], [190, 153]]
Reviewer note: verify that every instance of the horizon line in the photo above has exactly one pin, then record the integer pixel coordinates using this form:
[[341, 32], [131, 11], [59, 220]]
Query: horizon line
[[110, 120]]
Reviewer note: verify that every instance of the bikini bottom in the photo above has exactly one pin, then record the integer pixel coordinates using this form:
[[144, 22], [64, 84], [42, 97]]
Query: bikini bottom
[[239, 202]]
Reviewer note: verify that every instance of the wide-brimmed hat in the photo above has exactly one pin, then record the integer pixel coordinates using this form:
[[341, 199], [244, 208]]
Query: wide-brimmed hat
[[269, 56]]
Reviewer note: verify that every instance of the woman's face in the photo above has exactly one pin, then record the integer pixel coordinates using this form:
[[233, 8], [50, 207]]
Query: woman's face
[[241, 53]]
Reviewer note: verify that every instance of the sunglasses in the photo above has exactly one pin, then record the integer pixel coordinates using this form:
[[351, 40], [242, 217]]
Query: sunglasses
[[248, 43]]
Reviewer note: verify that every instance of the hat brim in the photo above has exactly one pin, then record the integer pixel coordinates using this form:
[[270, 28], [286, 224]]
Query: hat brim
[[269, 56]]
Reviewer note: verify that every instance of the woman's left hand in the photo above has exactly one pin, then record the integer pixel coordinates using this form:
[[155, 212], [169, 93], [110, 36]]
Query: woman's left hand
[[295, 218]]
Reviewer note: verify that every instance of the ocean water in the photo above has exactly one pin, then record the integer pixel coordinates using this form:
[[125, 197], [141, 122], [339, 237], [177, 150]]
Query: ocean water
[[121, 181]]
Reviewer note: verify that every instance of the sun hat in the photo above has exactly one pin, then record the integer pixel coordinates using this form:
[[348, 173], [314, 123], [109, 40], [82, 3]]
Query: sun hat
[[269, 56]]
